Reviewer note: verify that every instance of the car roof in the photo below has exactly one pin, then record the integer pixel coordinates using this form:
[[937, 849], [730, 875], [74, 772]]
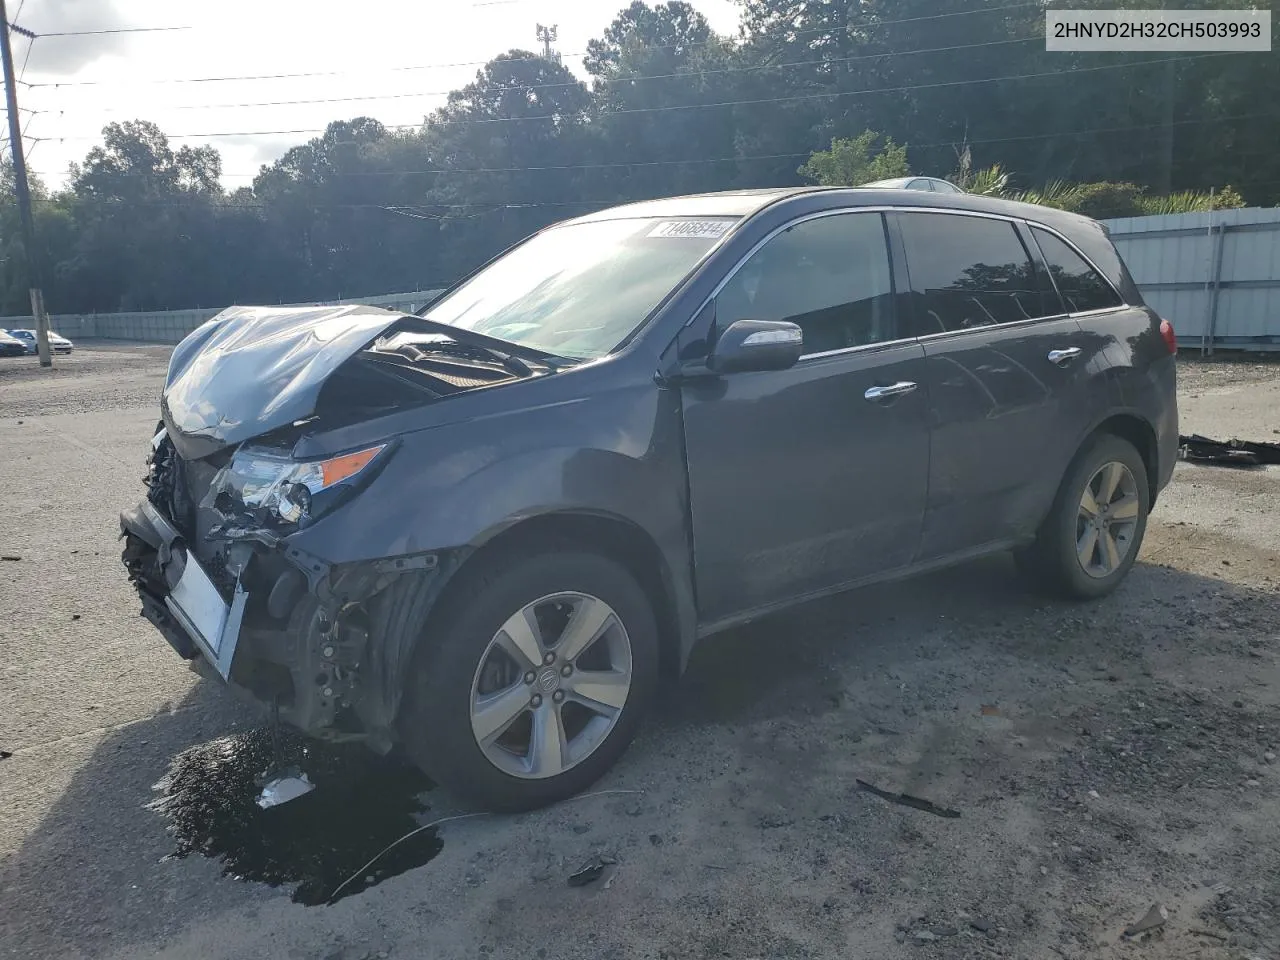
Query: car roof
[[726, 203], [746, 203]]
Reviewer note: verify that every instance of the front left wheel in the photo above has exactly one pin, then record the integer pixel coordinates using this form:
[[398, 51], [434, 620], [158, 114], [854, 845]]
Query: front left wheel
[[532, 678]]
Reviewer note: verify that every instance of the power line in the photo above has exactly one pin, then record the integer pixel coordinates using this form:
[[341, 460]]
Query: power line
[[1093, 130], [262, 205], [698, 106], [281, 76], [561, 167], [575, 83], [96, 33], [481, 63], [437, 171], [31, 45]]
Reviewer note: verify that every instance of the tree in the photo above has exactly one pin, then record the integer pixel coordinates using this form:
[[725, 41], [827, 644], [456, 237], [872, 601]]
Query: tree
[[330, 206], [654, 70], [135, 162], [850, 162], [667, 34], [55, 236], [506, 145], [144, 217], [669, 108]]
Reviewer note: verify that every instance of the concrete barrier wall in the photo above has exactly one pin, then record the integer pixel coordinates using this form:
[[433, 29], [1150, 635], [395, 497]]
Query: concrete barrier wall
[[170, 326]]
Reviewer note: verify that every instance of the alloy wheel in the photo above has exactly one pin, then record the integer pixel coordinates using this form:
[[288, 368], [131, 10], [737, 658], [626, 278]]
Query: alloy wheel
[[1107, 519], [551, 685]]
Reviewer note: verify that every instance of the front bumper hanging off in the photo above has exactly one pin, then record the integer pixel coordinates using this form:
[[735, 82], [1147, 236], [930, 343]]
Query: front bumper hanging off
[[190, 612], [327, 645]]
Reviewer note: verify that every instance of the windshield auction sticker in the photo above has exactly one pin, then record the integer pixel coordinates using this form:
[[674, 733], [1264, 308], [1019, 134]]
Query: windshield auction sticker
[[691, 229], [1142, 31]]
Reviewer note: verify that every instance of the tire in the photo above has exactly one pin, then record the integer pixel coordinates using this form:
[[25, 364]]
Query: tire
[[1053, 562], [460, 655]]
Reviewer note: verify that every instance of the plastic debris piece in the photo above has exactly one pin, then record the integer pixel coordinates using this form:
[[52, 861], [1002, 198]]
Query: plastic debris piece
[[588, 874], [1154, 919], [990, 710], [289, 786], [906, 800]]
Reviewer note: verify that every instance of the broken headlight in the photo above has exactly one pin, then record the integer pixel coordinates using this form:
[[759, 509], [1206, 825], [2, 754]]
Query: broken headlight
[[271, 486]]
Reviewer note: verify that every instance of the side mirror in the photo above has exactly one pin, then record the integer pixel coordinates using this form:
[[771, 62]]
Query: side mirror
[[748, 345]]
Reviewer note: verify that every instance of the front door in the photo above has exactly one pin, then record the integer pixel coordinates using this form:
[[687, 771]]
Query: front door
[[1008, 373], [806, 479]]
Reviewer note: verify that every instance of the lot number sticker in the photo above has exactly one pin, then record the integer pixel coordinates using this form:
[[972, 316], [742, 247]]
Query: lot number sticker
[[691, 229]]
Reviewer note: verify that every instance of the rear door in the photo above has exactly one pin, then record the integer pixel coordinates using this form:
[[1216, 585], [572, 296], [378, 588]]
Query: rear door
[[805, 479], [1008, 375]]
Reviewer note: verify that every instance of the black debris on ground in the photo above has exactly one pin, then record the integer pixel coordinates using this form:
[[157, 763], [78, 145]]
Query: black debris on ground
[[1234, 453], [361, 804], [907, 800]]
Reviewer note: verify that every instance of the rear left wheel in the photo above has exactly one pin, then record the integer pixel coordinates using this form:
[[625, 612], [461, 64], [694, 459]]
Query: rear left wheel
[[1094, 530], [531, 681]]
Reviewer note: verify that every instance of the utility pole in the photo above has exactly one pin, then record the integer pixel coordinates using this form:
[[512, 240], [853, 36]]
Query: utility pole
[[24, 196], [1166, 139]]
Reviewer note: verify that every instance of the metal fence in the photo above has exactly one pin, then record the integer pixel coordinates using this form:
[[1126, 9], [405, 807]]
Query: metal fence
[[1215, 276], [170, 326]]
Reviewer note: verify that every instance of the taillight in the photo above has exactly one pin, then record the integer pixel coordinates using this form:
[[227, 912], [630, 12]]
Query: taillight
[[1170, 339]]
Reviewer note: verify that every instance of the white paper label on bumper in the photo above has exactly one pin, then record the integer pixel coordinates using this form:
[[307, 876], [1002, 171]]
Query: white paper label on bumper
[[202, 605]]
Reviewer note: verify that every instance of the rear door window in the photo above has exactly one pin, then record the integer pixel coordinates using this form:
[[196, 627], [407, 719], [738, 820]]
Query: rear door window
[[1081, 286], [968, 272]]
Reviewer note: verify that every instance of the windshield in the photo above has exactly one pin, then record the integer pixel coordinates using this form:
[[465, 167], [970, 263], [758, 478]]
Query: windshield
[[579, 290]]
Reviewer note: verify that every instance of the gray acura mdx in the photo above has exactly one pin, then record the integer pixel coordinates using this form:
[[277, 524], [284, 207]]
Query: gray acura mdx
[[486, 532]]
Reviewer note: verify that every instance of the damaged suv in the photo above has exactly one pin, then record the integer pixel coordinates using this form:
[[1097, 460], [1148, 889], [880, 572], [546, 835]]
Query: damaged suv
[[486, 533]]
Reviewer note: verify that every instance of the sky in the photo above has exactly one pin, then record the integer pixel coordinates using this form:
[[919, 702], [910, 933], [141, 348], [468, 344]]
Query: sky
[[403, 56]]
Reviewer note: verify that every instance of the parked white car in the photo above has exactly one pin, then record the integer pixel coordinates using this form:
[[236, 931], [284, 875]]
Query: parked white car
[[934, 184], [58, 344]]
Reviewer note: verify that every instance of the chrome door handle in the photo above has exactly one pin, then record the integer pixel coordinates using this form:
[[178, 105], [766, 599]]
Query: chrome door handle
[[1063, 357], [876, 394]]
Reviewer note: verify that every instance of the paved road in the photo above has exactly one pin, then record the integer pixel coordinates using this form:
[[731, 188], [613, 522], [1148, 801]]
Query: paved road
[[1102, 756]]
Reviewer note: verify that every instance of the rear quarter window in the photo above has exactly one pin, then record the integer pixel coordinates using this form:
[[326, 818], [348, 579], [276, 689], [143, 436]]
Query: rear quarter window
[[1081, 286]]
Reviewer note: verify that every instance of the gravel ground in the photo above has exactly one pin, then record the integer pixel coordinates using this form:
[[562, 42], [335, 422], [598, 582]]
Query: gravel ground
[[1101, 757]]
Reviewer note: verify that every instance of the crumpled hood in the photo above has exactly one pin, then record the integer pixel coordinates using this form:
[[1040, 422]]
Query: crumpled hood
[[250, 370]]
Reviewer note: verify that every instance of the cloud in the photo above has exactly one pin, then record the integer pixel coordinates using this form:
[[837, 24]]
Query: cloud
[[66, 55]]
